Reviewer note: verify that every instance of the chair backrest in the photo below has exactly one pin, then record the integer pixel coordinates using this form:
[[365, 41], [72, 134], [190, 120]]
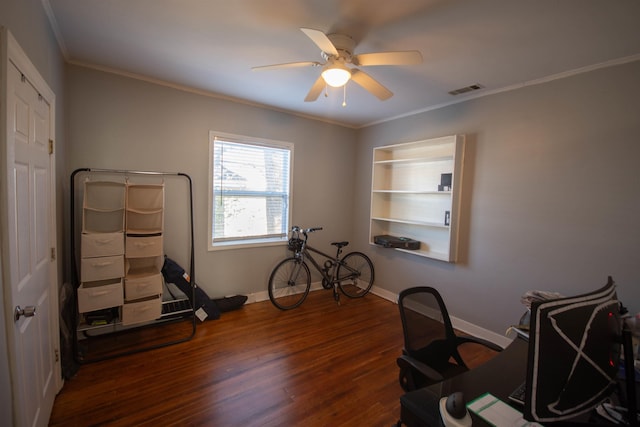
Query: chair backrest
[[426, 322]]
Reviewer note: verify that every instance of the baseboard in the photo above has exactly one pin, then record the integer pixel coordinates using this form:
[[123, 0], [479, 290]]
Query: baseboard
[[460, 324], [475, 330], [385, 294]]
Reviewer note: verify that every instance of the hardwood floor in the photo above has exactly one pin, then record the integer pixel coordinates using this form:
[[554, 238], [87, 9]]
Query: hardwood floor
[[317, 365]]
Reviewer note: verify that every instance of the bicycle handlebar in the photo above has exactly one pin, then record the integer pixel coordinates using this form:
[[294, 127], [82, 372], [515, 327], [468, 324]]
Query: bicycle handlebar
[[305, 230]]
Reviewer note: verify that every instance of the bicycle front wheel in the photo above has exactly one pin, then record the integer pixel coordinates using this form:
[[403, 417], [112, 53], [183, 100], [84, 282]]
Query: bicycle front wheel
[[289, 283], [355, 275]]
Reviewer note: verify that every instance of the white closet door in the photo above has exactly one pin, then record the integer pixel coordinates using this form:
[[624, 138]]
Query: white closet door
[[33, 341]]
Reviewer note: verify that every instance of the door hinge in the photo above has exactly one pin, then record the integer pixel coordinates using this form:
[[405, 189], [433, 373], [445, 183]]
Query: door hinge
[[57, 354], [53, 254], [51, 146]]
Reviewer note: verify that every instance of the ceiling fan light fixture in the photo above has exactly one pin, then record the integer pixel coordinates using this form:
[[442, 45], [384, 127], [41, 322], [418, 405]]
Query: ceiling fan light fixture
[[336, 75]]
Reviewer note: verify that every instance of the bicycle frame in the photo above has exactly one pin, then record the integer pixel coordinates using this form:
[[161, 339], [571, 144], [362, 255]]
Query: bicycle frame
[[324, 271], [330, 279]]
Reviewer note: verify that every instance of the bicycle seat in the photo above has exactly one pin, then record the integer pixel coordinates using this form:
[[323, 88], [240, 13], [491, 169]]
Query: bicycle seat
[[340, 244]]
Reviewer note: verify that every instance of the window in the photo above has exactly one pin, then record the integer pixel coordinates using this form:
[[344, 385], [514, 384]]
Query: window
[[249, 188]]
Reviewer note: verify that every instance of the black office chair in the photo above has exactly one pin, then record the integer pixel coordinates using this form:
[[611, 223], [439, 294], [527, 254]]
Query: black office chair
[[430, 353]]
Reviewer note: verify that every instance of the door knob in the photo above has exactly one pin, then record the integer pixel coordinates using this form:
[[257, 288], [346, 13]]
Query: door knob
[[28, 311]]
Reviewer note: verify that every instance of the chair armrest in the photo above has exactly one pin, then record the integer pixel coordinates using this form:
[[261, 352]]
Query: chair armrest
[[405, 361], [476, 340]]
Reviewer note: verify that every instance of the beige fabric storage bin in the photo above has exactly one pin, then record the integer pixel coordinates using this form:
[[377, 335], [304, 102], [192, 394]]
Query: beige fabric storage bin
[[140, 287], [104, 195], [97, 221], [141, 311], [147, 222], [145, 197], [138, 267], [100, 294], [137, 247], [92, 269], [103, 207], [145, 208], [102, 244]]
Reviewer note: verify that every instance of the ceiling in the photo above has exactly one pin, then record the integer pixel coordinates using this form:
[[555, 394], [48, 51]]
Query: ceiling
[[211, 45]]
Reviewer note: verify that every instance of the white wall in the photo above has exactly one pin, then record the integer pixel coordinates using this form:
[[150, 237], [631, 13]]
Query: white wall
[[117, 122], [551, 182], [552, 185]]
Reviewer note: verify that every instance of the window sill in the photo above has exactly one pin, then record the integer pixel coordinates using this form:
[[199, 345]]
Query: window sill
[[223, 246]]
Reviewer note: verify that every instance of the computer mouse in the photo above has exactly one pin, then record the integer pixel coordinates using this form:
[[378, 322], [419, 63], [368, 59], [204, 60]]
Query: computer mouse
[[456, 406], [453, 411]]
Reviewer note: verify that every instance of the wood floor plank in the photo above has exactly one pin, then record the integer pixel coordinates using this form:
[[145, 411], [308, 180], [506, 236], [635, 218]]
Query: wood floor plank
[[317, 365]]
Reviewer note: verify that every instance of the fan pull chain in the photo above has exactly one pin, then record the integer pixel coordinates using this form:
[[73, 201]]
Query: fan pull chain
[[344, 96], [326, 93]]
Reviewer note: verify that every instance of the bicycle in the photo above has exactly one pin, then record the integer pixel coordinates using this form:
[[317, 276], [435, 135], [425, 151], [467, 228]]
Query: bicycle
[[290, 280]]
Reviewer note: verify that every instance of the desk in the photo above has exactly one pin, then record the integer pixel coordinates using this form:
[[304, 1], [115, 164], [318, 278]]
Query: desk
[[499, 376]]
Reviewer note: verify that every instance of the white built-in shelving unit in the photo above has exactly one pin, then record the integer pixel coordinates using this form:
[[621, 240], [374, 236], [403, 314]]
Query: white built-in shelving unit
[[409, 200]]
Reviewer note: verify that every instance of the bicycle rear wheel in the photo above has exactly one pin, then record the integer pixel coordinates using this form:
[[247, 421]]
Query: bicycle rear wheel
[[289, 283], [355, 275]]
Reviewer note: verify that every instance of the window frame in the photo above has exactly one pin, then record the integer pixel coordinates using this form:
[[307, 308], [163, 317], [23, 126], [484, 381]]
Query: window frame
[[246, 243]]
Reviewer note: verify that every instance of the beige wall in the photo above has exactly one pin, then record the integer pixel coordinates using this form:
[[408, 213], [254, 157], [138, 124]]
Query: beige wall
[[552, 184]]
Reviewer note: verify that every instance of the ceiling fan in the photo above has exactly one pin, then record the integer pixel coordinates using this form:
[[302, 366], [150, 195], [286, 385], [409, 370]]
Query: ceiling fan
[[337, 52]]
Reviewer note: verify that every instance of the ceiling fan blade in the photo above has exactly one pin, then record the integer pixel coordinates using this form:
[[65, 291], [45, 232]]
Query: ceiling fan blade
[[410, 57], [321, 40], [316, 90], [370, 84], [287, 65]]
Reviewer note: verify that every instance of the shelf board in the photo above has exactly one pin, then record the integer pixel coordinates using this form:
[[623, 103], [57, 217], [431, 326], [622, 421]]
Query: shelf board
[[141, 272], [170, 308], [418, 252], [411, 222], [414, 160], [429, 254], [145, 211], [139, 231], [444, 193], [95, 209]]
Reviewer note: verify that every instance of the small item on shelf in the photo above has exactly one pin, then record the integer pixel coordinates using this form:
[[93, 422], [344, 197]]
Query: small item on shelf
[[445, 182], [396, 242], [447, 217], [101, 317]]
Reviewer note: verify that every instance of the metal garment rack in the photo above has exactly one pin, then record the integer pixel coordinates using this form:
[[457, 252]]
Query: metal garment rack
[[76, 281]]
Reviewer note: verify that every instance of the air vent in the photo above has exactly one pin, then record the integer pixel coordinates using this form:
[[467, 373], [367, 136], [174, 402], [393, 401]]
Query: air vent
[[466, 89]]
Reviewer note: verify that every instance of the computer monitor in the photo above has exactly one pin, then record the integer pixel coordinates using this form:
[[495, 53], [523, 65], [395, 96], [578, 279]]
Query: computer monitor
[[574, 354]]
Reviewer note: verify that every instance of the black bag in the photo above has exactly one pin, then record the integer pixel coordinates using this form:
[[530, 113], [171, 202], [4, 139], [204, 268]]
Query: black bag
[[175, 274], [396, 242], [230, 303]]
